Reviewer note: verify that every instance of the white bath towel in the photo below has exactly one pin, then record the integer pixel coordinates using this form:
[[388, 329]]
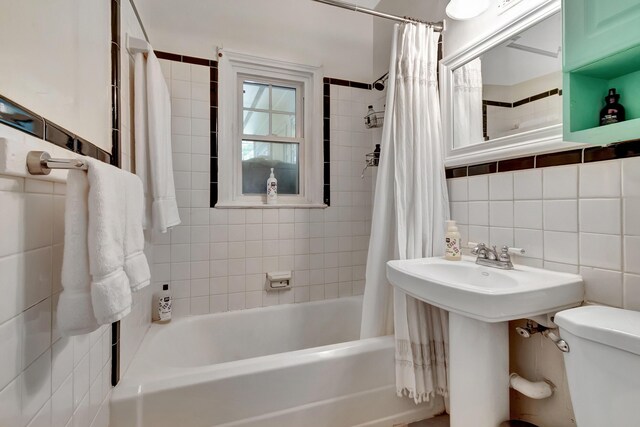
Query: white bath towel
[[110, 289], [154, 165], [135, 263], [75, 310]]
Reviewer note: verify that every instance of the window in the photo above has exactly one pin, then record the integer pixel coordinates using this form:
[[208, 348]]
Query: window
[[271, 134], [269, 116]]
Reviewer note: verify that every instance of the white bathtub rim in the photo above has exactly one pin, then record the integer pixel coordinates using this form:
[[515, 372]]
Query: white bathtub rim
[[134, 369], [135, 383], [155, 328]]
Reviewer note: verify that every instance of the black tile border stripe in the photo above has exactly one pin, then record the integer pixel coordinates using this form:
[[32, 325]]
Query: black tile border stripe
[[47, 130], [326, 140], [482, 169], [115, 150], [349, 83], [460, 172], [18, 117], [523, 101], [520, 163], [619, 150], [213, 114]]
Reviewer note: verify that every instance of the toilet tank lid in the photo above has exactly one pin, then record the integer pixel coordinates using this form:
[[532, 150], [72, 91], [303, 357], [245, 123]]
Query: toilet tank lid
[[614, 327]]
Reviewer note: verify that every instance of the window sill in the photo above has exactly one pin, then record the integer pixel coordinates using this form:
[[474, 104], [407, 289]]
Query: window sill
[[258, 205]]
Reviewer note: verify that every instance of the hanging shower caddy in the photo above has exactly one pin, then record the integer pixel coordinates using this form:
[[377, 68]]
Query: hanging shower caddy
[[374, 119], [371, 159]]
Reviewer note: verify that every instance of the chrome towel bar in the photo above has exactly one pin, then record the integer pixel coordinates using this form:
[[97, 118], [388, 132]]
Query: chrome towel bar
[[41, 163]]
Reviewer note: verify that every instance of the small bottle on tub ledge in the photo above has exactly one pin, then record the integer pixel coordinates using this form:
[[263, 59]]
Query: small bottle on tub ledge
[[162, 305]]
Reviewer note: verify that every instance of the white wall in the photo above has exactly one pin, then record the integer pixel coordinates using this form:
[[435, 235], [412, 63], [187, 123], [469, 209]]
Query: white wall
[[56, 62], [293, 30]]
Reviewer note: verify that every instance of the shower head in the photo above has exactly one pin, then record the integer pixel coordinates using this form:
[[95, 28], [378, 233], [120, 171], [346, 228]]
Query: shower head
[[380, 83]]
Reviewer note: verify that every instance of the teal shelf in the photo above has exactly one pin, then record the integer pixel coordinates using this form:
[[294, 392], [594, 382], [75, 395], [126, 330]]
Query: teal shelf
[[584, 92], [601, 50]]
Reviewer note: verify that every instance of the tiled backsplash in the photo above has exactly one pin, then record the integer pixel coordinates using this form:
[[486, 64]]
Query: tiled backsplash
[[576, 218], [216, 259]]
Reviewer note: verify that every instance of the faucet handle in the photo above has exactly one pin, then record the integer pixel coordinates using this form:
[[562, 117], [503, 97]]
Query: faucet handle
[[478, 247], [504, 255], [513, 251]]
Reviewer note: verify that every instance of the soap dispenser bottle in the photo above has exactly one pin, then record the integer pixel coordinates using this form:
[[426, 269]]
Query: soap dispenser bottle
[[272, 189], [162, 305], [452, 240]]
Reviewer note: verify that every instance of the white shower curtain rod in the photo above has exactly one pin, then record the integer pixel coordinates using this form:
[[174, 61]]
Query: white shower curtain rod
[[437, 26]]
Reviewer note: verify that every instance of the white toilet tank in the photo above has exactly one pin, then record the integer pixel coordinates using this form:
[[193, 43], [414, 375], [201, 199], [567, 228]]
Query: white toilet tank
[[603, 364]]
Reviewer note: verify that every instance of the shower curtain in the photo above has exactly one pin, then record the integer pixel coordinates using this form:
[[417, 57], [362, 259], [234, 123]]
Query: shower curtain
[[467, 104], [410, 207]]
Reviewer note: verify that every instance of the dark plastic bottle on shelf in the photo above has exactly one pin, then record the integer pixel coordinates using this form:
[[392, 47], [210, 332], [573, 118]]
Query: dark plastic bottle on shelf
[[613, 111], [376, 155]]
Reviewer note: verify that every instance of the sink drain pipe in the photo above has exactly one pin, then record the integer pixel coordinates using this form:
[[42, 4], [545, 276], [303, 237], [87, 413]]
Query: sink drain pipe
[[534, 390]]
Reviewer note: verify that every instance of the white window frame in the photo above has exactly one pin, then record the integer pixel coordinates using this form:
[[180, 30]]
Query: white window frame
[[232, 66], [298, 139]]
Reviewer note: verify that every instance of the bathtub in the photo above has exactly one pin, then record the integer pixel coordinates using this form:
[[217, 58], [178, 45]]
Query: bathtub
[[290, 365]]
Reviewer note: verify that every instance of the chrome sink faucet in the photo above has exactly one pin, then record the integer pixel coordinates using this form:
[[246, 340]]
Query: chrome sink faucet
[[489, 257]]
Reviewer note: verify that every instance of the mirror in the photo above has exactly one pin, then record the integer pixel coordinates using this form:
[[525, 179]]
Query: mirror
[[512, 88], [502, 95]]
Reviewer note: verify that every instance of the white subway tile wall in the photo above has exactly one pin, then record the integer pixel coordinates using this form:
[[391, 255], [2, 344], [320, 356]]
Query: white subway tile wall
[[579, 218], [569, 219], [45, 379], [216, 259]]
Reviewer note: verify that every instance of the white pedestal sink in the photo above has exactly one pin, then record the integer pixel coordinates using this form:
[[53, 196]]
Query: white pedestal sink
[[481, 301]]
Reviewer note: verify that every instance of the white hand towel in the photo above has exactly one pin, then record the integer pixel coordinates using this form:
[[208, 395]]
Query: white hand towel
[[75, 310], [154, 165], [141, 136], [110, 289], [135, 264]]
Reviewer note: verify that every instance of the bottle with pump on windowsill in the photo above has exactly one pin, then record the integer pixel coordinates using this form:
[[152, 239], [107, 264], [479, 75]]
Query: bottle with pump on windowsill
[[272, 189], [613, 111]]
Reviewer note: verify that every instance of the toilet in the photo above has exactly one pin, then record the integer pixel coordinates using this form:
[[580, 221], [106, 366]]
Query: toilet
[[603, 364]]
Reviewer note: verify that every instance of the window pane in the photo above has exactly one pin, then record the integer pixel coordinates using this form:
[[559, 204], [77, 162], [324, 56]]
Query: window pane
[[284, 99], [255, 123], [283, 125], [255, 95], [257, 160]]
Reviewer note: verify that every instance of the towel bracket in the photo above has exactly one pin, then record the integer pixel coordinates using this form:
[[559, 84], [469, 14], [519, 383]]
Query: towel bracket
[[41, 163]]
